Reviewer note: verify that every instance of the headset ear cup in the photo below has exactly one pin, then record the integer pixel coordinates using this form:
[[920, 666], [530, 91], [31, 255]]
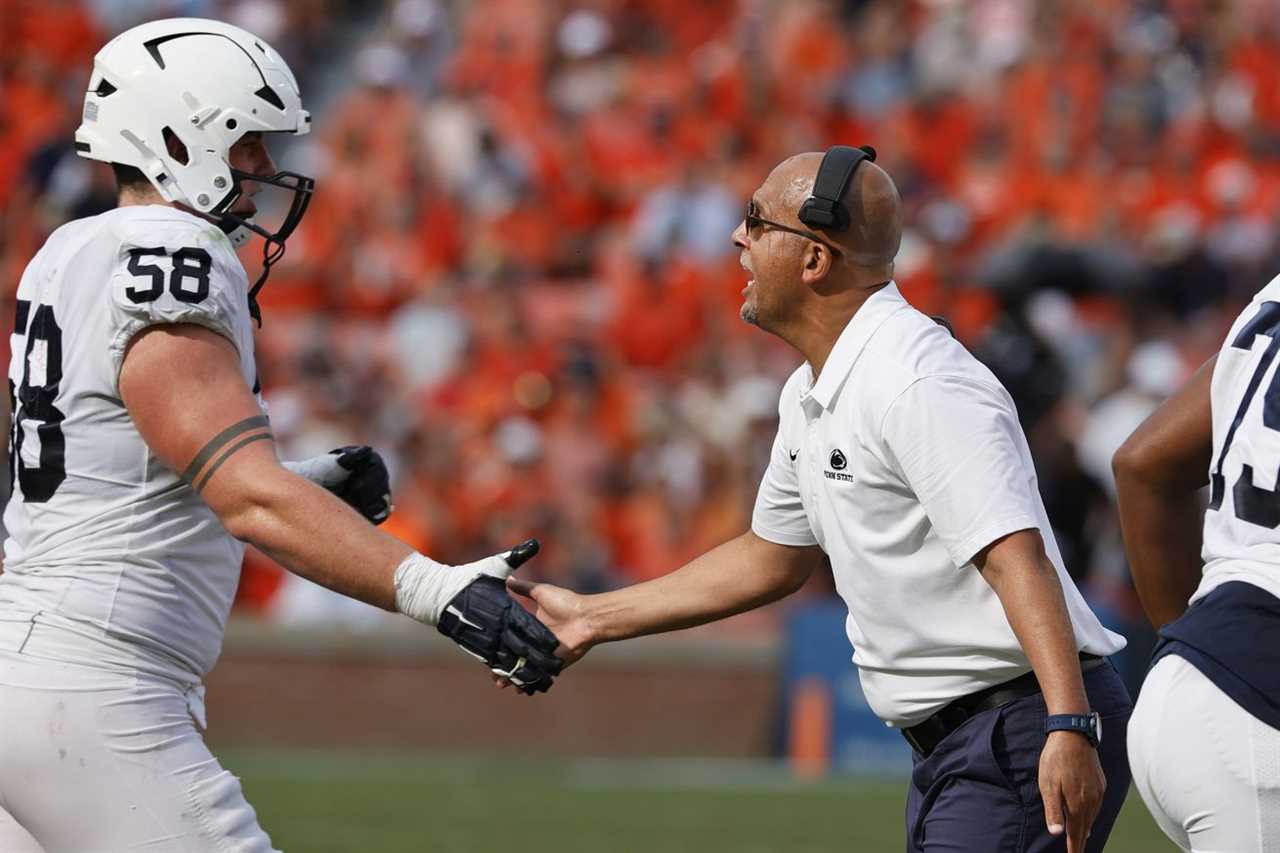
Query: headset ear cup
[[805, 214], [823, 209]]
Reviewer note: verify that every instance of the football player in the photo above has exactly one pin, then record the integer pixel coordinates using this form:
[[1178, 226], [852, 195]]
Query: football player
[[141, 459], [1204, 740]]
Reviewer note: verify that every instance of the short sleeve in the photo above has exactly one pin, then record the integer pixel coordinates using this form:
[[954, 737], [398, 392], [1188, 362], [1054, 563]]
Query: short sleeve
[[173, 275], [959, 447], [779, 514]]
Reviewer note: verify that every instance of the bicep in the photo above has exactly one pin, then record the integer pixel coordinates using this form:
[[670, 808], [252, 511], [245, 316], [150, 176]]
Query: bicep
[[184, 390], [1174, 445], [1018, 550], [788, 566]]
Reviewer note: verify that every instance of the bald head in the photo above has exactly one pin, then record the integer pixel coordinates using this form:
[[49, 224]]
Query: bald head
[[875, 209]]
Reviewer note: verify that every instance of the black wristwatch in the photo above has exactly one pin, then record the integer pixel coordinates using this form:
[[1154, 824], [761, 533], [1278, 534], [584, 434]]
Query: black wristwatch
[[1089, 725]]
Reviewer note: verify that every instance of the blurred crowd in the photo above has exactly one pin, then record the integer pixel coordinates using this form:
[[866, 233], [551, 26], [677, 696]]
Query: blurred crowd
[[516, 278]]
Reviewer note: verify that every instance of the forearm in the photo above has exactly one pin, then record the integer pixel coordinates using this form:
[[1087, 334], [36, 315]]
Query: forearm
[[1163, 533], [1030, 592], [318, 537], [1159, 472], [740, 575]]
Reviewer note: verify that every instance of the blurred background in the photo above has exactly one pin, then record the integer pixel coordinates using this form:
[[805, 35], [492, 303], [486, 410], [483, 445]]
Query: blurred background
[[516, 282]]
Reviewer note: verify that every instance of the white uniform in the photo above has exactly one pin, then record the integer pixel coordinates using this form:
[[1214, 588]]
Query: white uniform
[[118, 578], [902, 462], [1205, 741]]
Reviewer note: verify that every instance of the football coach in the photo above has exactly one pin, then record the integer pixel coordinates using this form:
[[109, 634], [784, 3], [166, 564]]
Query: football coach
[[900, 457]]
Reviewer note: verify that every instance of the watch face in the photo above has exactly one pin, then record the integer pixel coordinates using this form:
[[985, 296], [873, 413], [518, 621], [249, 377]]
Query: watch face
[[1097, 725]]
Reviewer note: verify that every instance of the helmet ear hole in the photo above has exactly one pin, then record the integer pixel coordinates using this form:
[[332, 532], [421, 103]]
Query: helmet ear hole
[[177, 149], [232, 124]]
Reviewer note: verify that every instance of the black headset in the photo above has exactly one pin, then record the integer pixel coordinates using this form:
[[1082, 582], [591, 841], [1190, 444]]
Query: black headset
[[823, 209]]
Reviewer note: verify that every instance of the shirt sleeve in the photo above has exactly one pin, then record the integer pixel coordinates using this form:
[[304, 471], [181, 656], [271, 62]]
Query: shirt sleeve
[[779, 515], [174, 276], [958, 445]]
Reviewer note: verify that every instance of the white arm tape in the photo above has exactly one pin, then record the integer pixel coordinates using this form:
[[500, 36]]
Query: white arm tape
[[424, 587]]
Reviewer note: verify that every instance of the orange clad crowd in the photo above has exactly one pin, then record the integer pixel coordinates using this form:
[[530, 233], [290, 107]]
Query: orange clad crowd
[[516, 278]]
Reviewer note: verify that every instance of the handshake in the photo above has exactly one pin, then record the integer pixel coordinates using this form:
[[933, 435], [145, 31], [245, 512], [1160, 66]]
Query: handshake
[[468, 604], [490, 625]]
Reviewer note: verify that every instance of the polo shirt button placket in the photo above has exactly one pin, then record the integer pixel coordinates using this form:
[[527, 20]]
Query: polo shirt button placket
[[815, 472]]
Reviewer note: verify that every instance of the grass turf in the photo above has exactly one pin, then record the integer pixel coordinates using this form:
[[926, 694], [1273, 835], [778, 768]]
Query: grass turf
[[338, 802]]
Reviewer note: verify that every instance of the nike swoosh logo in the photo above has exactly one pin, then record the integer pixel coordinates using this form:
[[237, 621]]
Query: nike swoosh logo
[[793, 455], [464, 620]]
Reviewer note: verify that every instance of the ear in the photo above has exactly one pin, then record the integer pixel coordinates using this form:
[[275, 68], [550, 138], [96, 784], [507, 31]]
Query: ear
[[818, 261]]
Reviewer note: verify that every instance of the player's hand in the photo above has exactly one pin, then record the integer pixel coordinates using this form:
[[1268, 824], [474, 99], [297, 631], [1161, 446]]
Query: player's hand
[[367, 485], [488, 624], [357, 475], [1071, 785], [564, 612]]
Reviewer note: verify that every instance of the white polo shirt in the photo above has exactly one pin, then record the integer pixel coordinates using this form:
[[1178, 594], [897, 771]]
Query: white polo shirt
[[902, 462]]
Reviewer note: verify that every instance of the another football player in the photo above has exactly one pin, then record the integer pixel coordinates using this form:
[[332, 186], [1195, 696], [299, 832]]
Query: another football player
[[1204, 740]]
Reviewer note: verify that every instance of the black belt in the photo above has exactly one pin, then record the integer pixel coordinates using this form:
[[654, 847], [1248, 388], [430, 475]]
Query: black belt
[[923, 737]]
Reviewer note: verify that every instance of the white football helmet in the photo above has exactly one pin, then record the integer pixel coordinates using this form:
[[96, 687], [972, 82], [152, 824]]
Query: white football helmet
[[207, 84]]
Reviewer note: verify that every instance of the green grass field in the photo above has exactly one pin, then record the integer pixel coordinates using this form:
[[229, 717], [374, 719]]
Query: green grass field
[[340, 802]]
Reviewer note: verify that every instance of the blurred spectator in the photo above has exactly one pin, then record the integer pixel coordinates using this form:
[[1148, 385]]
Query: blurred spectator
[[517, 280]]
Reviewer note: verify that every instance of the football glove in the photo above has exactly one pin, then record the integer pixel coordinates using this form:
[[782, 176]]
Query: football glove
[[357, 475], [490, 625]]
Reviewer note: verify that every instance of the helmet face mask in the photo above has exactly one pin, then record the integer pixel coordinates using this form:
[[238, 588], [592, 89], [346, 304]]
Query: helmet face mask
[[300, 185], [206, 84], [273, 249]]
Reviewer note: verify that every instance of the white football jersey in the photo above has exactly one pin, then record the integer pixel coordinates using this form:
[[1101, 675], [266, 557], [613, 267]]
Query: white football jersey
[[1241, 535], [107, 547]]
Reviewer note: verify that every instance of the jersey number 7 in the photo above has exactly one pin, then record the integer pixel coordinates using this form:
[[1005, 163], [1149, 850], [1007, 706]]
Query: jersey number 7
[[1253, 504]]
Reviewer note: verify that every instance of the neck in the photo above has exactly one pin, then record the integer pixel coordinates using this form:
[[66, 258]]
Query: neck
[[131, 196], [818, 324]]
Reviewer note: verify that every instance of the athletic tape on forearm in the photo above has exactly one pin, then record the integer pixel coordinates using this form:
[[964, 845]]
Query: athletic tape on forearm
[[424, 587]]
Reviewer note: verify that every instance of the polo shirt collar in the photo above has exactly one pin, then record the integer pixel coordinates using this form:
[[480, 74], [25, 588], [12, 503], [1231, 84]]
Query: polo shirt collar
[[864, 323]]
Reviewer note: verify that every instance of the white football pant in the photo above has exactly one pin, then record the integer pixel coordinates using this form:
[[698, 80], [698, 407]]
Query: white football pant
[[1208, 770], [93, 761]]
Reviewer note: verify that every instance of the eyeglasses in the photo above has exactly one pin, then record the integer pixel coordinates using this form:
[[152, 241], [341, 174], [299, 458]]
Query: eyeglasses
[[756, 224]]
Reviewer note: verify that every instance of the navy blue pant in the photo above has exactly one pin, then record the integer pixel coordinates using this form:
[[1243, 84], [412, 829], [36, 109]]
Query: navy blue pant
[[977, 791]]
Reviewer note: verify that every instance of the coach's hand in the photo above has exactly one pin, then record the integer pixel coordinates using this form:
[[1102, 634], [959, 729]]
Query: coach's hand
[[488, 624], [357, 475], [562, 611], [1071, 785]]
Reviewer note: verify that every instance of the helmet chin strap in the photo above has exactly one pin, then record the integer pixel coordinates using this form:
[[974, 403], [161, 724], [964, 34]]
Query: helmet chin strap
[[272, 251], [273, 248]]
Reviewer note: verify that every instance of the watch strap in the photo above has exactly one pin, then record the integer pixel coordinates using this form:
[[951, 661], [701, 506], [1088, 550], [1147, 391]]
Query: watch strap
[[1089, 725]]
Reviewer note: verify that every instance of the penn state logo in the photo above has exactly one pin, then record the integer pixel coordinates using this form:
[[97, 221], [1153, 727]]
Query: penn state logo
[[838, 462]]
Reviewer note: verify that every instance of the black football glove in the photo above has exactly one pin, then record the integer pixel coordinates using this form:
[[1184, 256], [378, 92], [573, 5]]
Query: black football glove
[[357, 475], [489, 624], [367, 486]]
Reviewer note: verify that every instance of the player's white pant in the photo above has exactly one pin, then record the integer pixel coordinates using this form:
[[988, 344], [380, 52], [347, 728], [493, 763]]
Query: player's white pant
[[99, 762], [1207, 769]]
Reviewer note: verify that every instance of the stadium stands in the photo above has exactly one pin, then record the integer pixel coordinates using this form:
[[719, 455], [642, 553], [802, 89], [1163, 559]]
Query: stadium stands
[[517, 280]]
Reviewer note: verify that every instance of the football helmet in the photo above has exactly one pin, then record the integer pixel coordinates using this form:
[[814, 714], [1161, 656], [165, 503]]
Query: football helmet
[[206, 84]]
